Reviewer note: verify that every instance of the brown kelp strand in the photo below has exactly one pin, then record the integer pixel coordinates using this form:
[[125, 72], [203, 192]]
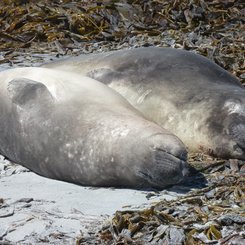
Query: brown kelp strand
[[210, 215], [213, 28]]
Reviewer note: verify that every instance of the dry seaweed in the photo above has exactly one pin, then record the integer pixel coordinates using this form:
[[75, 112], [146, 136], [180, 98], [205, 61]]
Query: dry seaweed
[[32, 30], [213, 28], [211, 215]]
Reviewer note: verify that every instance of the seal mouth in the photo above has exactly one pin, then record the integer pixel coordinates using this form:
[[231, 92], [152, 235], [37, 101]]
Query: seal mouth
[[230, 150], [239, 151], [166, 170]]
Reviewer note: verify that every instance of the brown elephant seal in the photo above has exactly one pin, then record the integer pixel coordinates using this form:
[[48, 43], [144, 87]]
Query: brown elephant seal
[[69, 127], [183, 92]]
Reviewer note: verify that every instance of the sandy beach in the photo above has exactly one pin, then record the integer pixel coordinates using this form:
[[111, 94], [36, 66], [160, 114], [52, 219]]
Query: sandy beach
[[38, 210]]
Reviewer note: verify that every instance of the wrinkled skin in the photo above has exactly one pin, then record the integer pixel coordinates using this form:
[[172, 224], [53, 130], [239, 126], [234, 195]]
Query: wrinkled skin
[[183, 92], [69, 127]]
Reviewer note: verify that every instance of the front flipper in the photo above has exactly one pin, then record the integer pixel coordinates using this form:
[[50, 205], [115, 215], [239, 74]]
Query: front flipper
[[29, 94], [25, 119]]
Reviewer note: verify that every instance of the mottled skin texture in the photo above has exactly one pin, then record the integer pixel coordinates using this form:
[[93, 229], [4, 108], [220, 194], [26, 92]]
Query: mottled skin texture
[[69, 127], [183, 92]]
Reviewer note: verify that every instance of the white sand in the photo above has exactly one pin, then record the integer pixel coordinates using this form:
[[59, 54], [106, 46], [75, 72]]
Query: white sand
[[59, 211]]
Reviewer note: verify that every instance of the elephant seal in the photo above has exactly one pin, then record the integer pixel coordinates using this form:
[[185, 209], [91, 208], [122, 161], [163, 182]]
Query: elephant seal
[[72, 128], [183, 92]]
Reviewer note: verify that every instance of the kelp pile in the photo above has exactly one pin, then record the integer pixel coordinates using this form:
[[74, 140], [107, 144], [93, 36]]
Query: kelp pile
[[213, 28], [214, 214], [211, 215]]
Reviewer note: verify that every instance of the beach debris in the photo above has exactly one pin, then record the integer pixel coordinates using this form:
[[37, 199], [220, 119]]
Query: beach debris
[[212, 28], [211, 215]]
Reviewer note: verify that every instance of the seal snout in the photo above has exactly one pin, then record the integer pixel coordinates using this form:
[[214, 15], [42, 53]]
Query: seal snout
[[166, 162], [173, 168], [237, 133]]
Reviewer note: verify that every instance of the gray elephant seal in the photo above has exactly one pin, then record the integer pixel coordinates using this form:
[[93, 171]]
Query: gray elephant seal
[[183, 92], [69, 127]]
